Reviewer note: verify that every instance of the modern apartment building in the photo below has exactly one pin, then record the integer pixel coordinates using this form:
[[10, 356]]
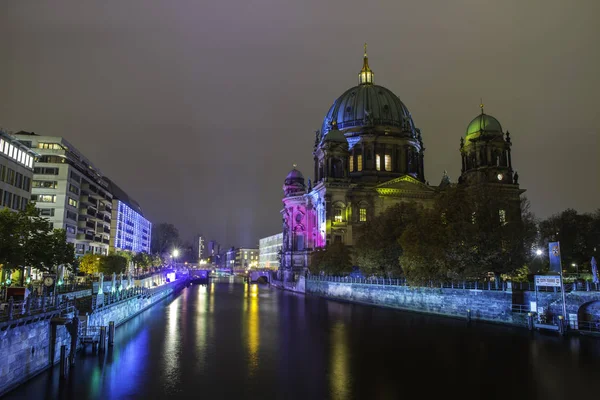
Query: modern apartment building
[[129, 230], [268, 251], [71, 192], [16, 173]]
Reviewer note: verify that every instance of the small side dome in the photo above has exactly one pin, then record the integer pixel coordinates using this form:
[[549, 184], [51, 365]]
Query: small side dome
[[294, 183], [335, 135], [484, 123]]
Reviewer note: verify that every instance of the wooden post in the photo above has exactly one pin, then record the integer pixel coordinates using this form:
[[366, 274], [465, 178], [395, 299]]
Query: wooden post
[[63, 361], [102, 338], [111, 333]]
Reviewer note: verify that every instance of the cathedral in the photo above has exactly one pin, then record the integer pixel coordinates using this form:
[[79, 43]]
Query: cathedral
[[369, 156]]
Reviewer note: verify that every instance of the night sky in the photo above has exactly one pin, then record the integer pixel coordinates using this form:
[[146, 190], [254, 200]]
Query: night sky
[[198, 109]]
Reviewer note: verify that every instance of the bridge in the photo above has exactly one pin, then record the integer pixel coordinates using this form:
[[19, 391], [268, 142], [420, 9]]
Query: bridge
[[259, 275]]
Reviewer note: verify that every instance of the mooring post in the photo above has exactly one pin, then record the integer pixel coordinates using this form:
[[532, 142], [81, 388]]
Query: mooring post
[[102, 343], [468, 315], [111, 333], [530, 321], [63, 361]]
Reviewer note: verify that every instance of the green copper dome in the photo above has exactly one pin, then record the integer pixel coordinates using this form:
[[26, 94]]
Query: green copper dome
[[484, 123]]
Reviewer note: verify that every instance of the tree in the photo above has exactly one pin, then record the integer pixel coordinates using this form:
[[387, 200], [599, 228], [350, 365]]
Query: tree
[[113, 263], [165, 237], [468, 233], [142, 260], [378, 249], [90, 263], [578, 234], [335, 260]]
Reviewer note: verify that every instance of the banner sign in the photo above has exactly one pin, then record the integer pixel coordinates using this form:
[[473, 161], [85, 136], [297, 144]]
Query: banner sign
[[547, 280], [554, 257]]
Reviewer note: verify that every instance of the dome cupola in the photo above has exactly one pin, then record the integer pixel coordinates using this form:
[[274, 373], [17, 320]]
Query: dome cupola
[[366, 75], [483, 124], [294, 183]]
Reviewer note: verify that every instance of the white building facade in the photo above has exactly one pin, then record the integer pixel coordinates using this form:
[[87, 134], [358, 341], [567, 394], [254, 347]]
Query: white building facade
[[71, 192], [16, 173], [268, 251]]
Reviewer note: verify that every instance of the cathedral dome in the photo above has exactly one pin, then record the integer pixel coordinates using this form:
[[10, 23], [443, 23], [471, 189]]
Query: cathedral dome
[[367, 105], [483, 123], [294, 183]]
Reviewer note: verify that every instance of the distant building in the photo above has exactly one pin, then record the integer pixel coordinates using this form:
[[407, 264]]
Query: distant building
[[129, 230], [71, 192], [16, 173], [230, 258], [245, 258], [199, 247], [214, 248], [268, 251]]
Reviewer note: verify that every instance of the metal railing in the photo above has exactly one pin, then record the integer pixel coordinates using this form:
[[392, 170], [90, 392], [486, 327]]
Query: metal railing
[[499, 285], [73, 287], [13, 310]]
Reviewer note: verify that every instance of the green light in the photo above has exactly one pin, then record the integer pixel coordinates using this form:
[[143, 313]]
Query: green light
[[8, 282], [28, 280]]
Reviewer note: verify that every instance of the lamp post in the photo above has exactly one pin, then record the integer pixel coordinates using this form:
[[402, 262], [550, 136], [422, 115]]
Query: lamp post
[[174, 255]]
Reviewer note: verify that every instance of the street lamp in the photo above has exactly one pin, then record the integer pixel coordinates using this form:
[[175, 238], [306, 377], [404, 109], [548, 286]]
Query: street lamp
[[538, 252], [175, 254]]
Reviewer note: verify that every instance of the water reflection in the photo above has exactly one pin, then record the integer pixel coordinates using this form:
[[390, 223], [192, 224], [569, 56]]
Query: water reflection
[[253, 325], [340, 369]]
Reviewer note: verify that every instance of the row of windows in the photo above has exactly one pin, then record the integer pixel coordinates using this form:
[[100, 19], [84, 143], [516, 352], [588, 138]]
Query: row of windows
[[11, 200], [50, 146], [52, 159], [14, 178], [16, 154], [45, 171], [43, 198], [45, 184], [338, 214]]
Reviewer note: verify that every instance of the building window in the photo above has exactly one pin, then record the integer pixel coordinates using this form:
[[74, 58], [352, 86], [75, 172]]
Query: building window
[[45, 171], [70, 229], [50, 146], [73, 189], [388, 162], [363, 215], [75, 177], [378, 162], [45, 184], [44, 198], [502, 215], [72, 203], [351, 163], [359, 162], [46, 212], [337, 214], [71, 215]]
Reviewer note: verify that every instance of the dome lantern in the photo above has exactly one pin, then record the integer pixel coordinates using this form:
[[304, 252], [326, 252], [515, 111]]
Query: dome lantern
[[366, 75]]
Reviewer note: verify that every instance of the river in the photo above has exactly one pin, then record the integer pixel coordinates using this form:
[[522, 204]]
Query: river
[[229, 340]]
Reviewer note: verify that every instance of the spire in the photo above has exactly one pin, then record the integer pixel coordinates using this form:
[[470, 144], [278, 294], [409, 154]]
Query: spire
[[481, 105], [365, 77]]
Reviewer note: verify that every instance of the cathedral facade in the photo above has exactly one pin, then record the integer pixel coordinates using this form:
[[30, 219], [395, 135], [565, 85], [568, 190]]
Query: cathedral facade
[[368, 156]]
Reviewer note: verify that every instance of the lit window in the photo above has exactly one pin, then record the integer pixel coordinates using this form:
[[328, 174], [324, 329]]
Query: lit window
[[72, 202], [337, 215], [10, 150], [44, 198], [359, 162], [388, 162], [363, 215], [378, 162], [351, 163], [502, 215]]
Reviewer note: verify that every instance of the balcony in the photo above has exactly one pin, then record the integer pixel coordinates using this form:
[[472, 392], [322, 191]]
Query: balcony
[[86, 236], [106, 230], [106, 241], [98, 239], [90, 224], [107, 218]]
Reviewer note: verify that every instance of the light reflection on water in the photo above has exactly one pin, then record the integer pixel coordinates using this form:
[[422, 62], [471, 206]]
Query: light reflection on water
[[243, 341]]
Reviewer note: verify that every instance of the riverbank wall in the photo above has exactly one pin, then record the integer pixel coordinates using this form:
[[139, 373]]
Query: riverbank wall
[[26, 345]]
